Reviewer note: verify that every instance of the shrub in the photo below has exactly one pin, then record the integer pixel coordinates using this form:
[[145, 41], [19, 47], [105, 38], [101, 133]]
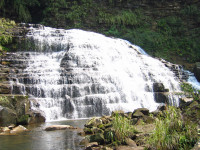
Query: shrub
[[171, 132]]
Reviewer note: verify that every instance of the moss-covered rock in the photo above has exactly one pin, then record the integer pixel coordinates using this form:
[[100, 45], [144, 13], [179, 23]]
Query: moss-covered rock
[[94, 122], [7, 116], [99, 138]]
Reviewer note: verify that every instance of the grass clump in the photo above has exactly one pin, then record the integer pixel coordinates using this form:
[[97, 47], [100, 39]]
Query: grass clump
[[171, 132], [121, 129]]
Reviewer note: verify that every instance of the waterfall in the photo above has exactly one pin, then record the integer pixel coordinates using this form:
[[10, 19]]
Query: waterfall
[[79, 74]]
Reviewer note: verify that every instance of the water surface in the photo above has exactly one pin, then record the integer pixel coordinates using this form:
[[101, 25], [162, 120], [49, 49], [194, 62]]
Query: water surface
[[38, 139]]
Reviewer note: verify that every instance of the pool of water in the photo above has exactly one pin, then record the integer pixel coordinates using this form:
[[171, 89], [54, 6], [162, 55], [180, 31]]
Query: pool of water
[[38, 139]]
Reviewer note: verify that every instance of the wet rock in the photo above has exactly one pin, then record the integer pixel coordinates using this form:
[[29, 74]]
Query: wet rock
[[58, 127], [158, 87], [18, 129], [7, 116], [35, 117], [197, 70], [6, 130], [161, 97]]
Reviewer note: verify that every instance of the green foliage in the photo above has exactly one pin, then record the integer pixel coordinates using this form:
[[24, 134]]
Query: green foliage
[[121, 129], [124, 17], [6, 27], [19, 8], [171, 132]]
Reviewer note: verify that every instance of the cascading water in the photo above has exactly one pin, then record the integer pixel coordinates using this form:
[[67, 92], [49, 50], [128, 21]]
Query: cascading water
[[78, 74]]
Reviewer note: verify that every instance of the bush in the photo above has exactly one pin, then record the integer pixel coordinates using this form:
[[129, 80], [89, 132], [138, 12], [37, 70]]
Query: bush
[[171, 132]]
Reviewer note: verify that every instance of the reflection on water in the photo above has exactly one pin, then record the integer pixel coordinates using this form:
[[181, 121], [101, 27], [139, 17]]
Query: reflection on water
[[38, 139]]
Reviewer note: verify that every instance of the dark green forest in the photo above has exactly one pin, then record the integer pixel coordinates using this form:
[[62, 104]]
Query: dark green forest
[[169, 29]]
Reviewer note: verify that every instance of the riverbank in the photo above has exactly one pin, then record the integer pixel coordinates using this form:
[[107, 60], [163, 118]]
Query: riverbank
[[166, 128]]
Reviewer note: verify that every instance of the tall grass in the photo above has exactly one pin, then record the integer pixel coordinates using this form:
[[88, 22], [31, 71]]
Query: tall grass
[[171, 132], [121, 129]]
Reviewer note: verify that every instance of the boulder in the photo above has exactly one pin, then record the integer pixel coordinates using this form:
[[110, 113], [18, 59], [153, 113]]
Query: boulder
[[94, 122], [140, 112], [58, 127], [18, 129], [158, 87], [7, 116], [130, 142], [197, 70], [35, 117], [99, 138]]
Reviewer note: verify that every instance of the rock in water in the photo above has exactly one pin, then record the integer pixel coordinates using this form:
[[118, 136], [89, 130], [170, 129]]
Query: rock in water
[[58, 127], [18, 129]]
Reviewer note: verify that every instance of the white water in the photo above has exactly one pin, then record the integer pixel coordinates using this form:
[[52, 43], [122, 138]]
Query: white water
[[78, 74]]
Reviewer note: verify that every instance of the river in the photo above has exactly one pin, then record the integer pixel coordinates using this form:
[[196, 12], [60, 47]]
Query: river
[[38, 139]]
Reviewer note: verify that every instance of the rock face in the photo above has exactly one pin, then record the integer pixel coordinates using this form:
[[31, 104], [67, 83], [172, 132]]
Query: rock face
[[197, 71]]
